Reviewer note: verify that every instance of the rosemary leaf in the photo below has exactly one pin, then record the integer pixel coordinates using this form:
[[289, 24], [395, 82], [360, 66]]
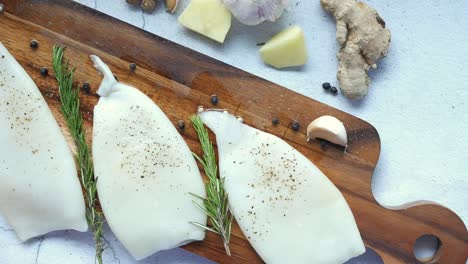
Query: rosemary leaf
[[215, 205], [204, 227], [70, 108]]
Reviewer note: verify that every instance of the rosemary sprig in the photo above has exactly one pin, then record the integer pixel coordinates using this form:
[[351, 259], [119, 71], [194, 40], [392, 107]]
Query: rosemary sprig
[[215, 205], [71, 111]]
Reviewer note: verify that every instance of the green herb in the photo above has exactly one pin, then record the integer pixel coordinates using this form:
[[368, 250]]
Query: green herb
[[215, 205], [71, 111]]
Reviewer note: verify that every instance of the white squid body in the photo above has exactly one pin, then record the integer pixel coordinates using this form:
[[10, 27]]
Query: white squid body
[[145, 171], [254, 12], [39, 188], [286, 207]]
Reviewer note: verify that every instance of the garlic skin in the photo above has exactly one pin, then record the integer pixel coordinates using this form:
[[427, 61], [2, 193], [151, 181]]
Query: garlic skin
[[254, 12], [329, 128]]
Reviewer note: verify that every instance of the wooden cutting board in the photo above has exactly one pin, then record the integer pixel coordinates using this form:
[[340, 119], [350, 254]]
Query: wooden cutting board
[[179, 79]]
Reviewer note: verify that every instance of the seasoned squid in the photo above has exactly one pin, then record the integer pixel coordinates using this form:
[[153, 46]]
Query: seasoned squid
[[39, 188], [286, 207], [145, 171]]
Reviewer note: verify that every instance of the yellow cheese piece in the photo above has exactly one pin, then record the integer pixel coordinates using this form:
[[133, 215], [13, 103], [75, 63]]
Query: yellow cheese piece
[[207, 17], [286, 49]]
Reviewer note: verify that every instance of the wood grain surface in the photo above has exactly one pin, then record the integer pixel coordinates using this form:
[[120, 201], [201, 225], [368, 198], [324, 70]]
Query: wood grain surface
[[179, 80]]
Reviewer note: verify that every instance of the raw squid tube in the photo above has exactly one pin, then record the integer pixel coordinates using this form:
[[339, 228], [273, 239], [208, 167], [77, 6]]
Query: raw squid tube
[[39, 188], [145, 171], [286, 207]]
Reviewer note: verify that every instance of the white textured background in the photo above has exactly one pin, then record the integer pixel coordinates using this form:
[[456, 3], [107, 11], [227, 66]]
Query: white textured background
[[418, 102]]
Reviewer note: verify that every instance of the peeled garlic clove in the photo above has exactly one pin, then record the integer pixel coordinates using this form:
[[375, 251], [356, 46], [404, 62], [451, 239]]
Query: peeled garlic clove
[[328, 128], [252, 13]]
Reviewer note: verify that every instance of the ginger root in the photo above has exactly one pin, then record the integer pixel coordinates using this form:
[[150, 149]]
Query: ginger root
[[363, 38]]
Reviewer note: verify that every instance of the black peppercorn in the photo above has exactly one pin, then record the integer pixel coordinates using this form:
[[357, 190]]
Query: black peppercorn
[[132, 66], [33, 44], [44, 72], [333, 90], [86, 87], [296, 125], [214, 99], [326, 85], [275, 121], [181, 124]]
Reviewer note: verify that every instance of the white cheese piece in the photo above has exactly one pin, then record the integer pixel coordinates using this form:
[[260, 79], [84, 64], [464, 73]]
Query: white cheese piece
[[286, 207], [40, 191], [145, 171]]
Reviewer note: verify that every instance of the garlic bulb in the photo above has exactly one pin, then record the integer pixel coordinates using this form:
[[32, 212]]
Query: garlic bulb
[[254, 12]]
